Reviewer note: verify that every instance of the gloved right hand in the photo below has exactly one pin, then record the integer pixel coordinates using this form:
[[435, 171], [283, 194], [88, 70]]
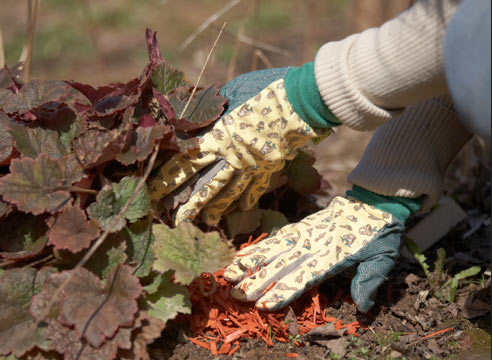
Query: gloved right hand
[[269, 117]]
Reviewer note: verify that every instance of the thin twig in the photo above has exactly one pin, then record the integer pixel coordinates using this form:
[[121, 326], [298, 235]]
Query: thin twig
[[203, 69], [258, 54], [207, 23], [258, 44], [101, 239], [2, 52], [80, 190], [30, 35]]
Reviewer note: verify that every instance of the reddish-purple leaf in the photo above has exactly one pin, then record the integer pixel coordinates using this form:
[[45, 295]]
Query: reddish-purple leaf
[[165, 106], [146, 121], [98, 312], [6, 141], [98, 145], [205, 107], [145, 331], [37, 93], [72, 230], [142, 143], [67, 341], [10, 77], [153, 46], [35, 186]]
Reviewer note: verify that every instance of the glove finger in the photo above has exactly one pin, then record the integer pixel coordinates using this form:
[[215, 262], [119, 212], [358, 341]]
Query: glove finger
[[175, 172], [254, 191], [264, 252], [197, 202], [254, 286], [212, 213]]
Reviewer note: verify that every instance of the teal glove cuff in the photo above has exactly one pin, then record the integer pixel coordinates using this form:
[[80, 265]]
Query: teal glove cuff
[[399, 207], [305, 99]]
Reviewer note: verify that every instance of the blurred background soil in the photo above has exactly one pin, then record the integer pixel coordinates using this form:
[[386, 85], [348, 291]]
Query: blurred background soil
[[99, 42]]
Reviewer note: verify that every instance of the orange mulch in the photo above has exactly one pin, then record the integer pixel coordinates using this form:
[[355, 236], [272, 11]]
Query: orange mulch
[[218, 322]]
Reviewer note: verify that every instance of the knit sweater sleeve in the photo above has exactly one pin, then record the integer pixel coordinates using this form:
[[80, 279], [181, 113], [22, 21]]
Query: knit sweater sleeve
[[368, 78]]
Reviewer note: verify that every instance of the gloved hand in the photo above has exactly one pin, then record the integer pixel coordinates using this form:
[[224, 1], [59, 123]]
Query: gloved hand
[[302, 255], [271, 114]]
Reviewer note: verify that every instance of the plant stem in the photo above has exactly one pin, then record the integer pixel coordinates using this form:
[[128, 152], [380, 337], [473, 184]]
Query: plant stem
[[201, 72], [80, 190], [104, 235]]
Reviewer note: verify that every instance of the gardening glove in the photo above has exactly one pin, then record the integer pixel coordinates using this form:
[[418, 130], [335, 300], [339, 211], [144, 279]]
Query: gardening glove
[[302, 255], [271, 114]]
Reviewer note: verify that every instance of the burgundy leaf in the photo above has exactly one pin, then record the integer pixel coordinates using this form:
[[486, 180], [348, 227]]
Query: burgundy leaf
[[35, 185], [38, 93], [153, 46], [98, 145], [205, 107], [165, 106], [6, 141], [67, 341], [72, 230], [142, 143], [98, 312]]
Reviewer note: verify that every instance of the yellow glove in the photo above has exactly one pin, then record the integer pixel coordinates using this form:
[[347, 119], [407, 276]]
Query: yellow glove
[[254, 139], [302, 255]]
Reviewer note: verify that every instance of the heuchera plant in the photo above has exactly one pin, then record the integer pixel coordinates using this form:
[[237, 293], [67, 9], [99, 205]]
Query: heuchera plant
[[73, 158]]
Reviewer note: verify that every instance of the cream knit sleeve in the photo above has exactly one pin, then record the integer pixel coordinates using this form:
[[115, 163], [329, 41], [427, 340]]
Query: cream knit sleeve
[[367, 79]]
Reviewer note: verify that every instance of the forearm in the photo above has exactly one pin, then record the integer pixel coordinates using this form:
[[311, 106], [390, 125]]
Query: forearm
[[368, 78]]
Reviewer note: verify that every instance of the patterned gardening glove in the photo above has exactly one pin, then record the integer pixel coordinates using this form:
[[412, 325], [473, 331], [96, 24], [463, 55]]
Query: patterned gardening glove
[[302, 255], [271, 114]]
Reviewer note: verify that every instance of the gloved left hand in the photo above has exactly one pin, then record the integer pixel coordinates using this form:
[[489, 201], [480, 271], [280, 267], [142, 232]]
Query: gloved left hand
[[302, 255], [271, 114]]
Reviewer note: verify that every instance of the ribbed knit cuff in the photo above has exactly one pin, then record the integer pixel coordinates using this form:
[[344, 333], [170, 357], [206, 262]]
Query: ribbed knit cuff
[[368, 78], [340, 92], [409, 155]]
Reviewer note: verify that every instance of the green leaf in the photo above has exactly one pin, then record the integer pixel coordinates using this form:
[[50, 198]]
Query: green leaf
[[168, 299], [189, 251], [19, 331], [439, 265], [109, 255], [421, 259], [453, 286], [165, 78], [242, 222], [35, 185], [111, 199], [303, 177], [472, 271], [139, 240], [272, 220]]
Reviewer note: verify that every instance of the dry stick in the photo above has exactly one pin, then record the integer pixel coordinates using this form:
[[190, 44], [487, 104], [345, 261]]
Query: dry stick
[[258, 54], [207, 23], [30, 36], [258, 44], [203, 69], [101, 239], [2, 53]]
